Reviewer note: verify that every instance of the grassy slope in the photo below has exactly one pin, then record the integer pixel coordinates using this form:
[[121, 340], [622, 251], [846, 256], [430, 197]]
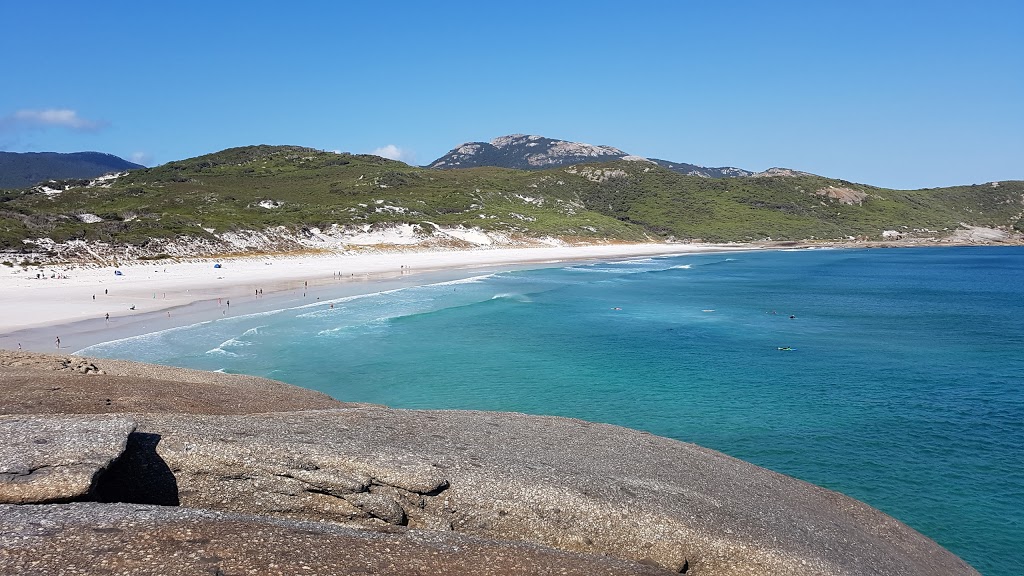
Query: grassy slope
[[222, 191], [790, 208]]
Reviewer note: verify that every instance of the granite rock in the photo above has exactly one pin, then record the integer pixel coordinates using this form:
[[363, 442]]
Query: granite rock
[[86, 539], [35, 383], [57, 458], [563, 483], [295, 469]]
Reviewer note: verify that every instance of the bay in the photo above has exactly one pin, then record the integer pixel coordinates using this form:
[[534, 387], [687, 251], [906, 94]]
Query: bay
[[894, 376]]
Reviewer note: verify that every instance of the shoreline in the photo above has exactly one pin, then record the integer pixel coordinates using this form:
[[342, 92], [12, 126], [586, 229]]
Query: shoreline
[[155, 296], [378, 281], [150, 296]]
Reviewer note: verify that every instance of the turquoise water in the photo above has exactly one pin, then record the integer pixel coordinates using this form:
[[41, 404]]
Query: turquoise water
[[904, 388]]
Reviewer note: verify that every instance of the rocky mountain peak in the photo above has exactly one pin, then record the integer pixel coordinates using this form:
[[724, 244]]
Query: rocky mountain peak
[[556, 147], [775, 171], [533, 152], [525, 152]]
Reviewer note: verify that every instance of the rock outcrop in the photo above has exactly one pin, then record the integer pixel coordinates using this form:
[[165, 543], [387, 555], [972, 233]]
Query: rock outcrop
[[491, 492], [89, 538], [522, 151], [532, 152], [53, 384], [57, 458]]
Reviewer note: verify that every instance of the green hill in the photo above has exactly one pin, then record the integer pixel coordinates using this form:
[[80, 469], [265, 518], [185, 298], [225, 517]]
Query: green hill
[[257, 188]]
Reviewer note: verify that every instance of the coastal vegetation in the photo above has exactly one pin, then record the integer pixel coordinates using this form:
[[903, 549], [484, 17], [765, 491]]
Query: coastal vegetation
[[296, 189]]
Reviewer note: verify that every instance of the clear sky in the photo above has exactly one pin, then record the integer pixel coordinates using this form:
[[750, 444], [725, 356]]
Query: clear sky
[[903, 94]]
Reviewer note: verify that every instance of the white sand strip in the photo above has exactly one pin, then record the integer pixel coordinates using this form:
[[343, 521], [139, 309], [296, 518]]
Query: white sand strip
[[36, 298]]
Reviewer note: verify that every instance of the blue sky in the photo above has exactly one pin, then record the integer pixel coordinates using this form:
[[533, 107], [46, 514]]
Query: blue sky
[[898, 94]]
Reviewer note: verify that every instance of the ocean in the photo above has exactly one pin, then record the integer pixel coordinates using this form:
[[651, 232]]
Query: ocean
[[895, 376]]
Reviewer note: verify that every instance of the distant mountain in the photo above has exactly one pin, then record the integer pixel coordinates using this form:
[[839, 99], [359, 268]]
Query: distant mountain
[[530, 152], [525, 152], [23, 169]]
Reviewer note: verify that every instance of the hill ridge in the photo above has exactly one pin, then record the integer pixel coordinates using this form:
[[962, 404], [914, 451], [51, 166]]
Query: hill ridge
[[23, 169], [283, 198], [534, 152]]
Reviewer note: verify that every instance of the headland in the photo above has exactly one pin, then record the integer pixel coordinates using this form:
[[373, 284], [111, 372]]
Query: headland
[[115, 466]]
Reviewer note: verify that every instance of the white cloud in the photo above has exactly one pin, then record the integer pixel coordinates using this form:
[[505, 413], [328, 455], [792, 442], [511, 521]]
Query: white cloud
[[395, 153], [59, 117], [143, 158]]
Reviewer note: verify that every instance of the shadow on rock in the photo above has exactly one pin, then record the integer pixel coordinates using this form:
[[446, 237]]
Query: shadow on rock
[[139, 476]]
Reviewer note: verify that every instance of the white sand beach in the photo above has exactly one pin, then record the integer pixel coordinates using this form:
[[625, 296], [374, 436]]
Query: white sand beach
[[40, 304]]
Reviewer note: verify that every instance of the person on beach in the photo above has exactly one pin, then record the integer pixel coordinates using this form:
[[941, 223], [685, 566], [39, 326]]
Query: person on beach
[[108, 317], [58, 342]]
